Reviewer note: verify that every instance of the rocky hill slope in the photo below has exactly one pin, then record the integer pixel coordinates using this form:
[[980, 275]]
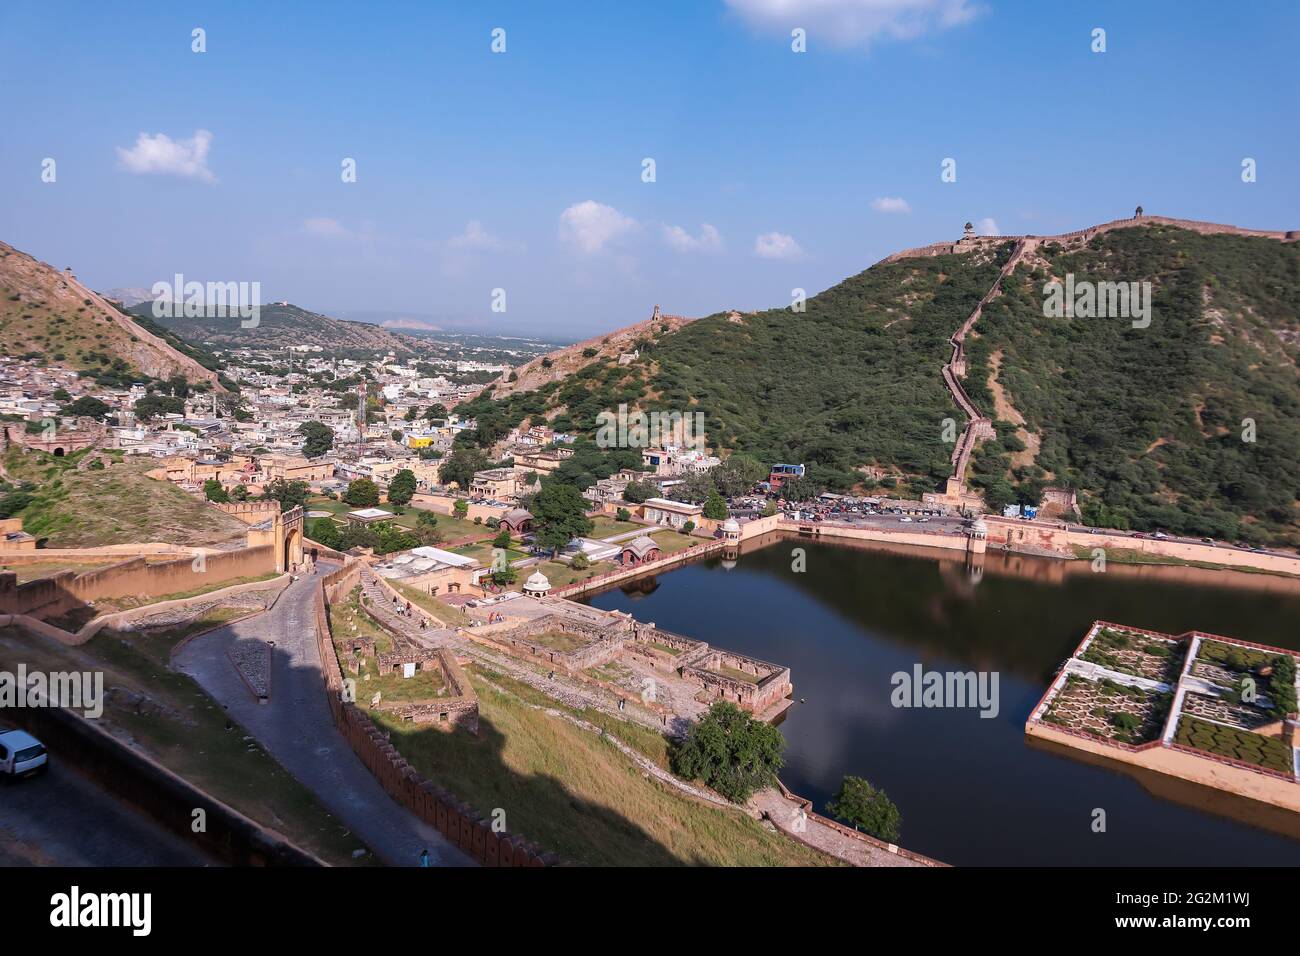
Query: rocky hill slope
[[47, 314]]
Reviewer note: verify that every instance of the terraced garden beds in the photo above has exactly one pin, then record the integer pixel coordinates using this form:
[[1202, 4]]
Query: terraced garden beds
[[1140, 655], [1270, 753], [1129, 715]]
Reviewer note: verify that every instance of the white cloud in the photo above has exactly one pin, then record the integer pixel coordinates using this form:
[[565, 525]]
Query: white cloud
[[709, 239], [590, 226], [326, 227], [890, 204], [162, 154], [776, 245], [854, 22], [476, 239], [988, 227]]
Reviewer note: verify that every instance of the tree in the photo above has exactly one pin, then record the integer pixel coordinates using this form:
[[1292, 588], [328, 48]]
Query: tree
[[502, 540], [402, 487], [738, 475], [731, 752], [319, 438], [85, 407], [864, 807], [714, 507], [460, 508], [426, 528], [638, 492], [290, 494], [460, 465], [151, 406], [436, 412], [213, 491], [61, 395], [362, 493], [324, 531], [695, 489], [580, 562], [623, 514], [559, 515]]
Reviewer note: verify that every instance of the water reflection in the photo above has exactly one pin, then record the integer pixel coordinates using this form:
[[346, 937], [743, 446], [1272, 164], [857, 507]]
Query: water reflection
[[975, 791]]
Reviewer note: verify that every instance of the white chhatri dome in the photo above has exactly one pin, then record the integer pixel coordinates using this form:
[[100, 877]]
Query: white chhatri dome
[[537, 583], [731, 526]]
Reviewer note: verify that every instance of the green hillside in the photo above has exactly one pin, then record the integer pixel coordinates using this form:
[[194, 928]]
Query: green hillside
[[1148, 423]]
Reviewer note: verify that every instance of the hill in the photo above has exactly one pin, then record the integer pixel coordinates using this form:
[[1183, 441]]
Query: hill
[[279, 326], [1152, 426], [73, 507], [51, 317]]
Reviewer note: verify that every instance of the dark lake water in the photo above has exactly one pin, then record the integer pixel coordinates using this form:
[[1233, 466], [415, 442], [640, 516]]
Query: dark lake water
[[974, 790]]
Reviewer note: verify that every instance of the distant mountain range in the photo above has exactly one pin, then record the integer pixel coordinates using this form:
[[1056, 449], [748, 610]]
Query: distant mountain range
[[280, 325]]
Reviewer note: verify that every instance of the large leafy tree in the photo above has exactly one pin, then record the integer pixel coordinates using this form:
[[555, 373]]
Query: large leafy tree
[[402, 488], [865, 808], [460, 465], [731, 752], [319, 438], [559, 515], [290, 494], [715, 507], [362, 493], [738, 475]]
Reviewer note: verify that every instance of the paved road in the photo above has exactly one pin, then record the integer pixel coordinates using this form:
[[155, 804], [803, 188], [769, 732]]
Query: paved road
[[63, 819], [296, 726]]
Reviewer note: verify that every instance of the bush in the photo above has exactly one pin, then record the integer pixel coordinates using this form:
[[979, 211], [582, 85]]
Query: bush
[[865, 808], [731, 752]]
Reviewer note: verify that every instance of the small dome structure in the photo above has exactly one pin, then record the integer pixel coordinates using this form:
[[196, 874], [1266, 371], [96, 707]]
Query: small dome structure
[[537, 584], [731, 525]]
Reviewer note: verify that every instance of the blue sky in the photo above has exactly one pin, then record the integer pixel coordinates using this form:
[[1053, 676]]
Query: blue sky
[[467, 161]]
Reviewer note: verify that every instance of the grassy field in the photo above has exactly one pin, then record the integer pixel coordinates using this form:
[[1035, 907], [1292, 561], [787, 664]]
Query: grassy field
[[607, 527], [482, 552], [186, 730], [559, 573], [119, 505], [574, 793], [671, 542]]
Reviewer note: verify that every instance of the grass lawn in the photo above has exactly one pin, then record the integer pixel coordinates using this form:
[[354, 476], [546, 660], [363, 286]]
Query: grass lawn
[[574, 793], [187, 734], [482, 552], [671, 542], [605, 527], [559, 573]]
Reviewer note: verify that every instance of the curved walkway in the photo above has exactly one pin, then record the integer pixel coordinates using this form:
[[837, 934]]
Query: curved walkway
[[296, 727]]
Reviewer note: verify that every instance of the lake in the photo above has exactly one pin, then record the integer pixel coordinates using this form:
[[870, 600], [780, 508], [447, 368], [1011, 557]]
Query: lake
[[973, 790]]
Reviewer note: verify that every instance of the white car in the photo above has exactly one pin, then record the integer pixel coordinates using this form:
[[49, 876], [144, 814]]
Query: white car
[[905, 518], [21, 754]]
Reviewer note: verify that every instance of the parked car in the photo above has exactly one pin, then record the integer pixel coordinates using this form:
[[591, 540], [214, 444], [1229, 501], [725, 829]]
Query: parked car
[[21, 754], [905, 518]]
